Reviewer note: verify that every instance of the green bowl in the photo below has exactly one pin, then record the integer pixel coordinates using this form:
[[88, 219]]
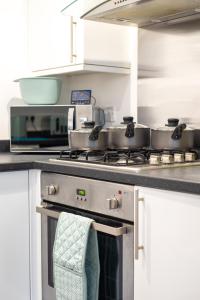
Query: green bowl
[[40, 90]]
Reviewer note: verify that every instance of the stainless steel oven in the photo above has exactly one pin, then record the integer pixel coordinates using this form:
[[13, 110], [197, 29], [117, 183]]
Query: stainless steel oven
[[110, 205]]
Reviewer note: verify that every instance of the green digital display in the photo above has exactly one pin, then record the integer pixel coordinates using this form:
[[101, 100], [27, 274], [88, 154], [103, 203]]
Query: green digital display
[[81, 192]]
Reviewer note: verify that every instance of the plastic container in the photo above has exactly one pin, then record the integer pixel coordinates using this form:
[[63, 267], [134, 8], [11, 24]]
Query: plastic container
[[40, 90]]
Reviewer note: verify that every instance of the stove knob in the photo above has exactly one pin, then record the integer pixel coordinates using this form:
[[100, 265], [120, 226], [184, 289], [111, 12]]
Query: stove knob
[[167, 158], [52, 189], [154, 159], [190, 156], [113, 203], [179, 157]]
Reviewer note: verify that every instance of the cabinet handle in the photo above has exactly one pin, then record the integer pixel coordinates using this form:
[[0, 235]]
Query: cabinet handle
[[136, 225], [72, 55]]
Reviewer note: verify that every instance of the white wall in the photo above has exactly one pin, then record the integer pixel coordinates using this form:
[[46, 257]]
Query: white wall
[[13, 54], [112, 92]]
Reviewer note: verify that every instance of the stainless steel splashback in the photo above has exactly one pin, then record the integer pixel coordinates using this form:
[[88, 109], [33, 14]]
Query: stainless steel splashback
[[173, 88]]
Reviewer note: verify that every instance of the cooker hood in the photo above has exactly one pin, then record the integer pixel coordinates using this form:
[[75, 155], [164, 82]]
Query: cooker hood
[[140, 12]]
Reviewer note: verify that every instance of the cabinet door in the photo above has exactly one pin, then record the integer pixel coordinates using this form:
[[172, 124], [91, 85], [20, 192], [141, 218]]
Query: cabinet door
[[57, 41], [50, 35], [14, 236], [109, 44], [168, 267], [35, 234]]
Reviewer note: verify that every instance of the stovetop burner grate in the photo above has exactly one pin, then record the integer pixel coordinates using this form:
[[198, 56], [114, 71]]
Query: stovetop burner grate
[[138, 157], [115, 158]]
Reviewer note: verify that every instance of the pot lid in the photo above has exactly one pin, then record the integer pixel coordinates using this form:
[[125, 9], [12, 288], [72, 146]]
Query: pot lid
[[127, 120], [87, 127], [172, 123]]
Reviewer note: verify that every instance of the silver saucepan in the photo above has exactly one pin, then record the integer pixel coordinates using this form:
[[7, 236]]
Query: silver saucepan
[[89, 137], [172, 136], [128, 135]]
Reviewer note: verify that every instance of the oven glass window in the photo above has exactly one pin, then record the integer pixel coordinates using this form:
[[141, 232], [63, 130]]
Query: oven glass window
[[110, 255]]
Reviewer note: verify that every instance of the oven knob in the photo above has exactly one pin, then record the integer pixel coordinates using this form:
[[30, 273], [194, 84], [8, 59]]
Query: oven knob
[[113, 203], [51, 189]]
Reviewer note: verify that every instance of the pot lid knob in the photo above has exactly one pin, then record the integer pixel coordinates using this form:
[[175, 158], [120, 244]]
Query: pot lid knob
[[127, 120], [172, 122], [89, 124]]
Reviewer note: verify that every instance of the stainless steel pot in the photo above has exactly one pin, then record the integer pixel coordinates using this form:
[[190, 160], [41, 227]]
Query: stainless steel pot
[[128, 135], [172, 136], [90, 137]]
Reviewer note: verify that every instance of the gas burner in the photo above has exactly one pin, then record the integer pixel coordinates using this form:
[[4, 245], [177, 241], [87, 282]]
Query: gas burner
[[69, 154], [110, 156], [92, 156], [124, 160], [138, 158]]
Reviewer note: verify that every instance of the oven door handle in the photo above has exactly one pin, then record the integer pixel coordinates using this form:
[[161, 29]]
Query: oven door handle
[[115, 231]]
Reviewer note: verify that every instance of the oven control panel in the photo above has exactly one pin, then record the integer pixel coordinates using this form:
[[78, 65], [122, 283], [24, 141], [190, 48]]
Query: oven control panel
[[102, 197]]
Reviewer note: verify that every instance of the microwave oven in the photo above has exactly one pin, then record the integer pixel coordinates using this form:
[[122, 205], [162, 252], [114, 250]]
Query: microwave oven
[[45, 128]]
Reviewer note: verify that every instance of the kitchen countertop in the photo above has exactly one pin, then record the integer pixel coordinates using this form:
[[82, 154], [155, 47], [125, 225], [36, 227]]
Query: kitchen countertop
[[15, 162], [183, 179]]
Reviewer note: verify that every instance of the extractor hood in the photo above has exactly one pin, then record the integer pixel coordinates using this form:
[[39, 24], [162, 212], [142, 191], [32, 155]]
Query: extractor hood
[[144, 13]]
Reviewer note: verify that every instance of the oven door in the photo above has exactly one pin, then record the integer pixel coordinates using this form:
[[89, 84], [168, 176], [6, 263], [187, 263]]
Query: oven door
[[116, 253]]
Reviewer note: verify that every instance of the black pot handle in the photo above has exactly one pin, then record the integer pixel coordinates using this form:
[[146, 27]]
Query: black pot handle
[[172, 122], [88, 124], [127, 120], [94, 135], [130, 130], [177, 134]]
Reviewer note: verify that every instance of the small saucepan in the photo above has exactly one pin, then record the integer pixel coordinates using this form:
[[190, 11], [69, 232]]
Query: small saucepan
[[89, 137], [172, 136], [128, 135]]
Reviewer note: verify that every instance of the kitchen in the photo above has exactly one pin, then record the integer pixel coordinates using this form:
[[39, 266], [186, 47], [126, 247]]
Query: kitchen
[[150, 214]]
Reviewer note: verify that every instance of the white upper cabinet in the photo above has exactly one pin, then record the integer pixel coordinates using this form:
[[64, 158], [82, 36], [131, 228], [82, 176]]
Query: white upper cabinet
[[59, 44], [49, 35], [168, 267]]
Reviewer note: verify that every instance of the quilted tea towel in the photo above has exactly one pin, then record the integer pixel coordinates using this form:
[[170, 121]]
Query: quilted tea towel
[[76, 259]]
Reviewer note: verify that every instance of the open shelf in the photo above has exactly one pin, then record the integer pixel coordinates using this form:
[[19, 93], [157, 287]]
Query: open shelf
[[81, 69]]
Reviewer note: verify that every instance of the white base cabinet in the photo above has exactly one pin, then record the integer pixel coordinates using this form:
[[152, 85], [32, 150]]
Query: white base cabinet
[[35, 235], [169, 229], [14, 236]]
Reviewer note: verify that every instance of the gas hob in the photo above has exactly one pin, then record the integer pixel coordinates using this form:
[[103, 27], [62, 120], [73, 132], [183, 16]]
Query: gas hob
[[129, 160]]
